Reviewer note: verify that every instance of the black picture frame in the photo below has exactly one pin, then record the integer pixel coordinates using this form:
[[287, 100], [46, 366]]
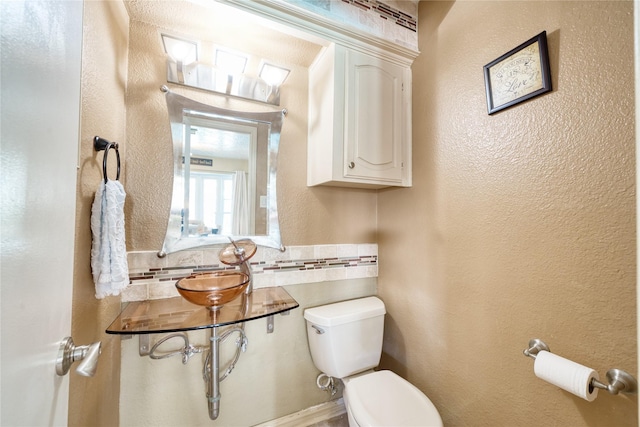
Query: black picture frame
[[518, 75]]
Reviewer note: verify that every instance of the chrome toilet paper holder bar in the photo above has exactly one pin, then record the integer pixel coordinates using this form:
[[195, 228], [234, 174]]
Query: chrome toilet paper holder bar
[[619, 381]]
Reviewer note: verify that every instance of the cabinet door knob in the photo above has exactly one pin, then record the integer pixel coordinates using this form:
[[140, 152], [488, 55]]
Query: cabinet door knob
[[352, 165]]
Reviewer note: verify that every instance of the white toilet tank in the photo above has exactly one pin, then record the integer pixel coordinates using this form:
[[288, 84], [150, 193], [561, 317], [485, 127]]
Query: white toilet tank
[[346, 337]]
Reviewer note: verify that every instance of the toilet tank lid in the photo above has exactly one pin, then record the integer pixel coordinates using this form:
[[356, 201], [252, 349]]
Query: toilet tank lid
[[345, 311]]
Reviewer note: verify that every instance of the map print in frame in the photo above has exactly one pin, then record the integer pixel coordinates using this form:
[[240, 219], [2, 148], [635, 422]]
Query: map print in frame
[[518, 75]]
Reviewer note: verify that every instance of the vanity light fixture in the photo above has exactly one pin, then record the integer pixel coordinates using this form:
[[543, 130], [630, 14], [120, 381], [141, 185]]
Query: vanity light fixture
[[182, 51], [227, 75], [273, 74], [229, 61]]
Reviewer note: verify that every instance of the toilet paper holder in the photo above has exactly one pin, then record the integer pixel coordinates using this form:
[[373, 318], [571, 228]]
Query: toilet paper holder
[[619, 381]]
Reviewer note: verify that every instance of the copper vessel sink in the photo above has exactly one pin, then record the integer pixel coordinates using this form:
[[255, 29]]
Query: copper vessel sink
[[213, 290]]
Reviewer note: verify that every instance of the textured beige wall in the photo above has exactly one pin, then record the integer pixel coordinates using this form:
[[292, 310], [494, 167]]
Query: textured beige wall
[[94, 401], [520, 224]]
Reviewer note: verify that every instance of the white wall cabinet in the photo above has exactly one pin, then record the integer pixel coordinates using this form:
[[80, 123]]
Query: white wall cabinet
[[359, 120]]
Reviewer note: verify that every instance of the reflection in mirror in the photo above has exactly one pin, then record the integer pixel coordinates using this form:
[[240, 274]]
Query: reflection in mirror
[[224, 182]]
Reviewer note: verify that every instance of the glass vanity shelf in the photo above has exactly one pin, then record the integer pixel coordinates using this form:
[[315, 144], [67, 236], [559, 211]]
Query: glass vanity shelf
[[176, 314]]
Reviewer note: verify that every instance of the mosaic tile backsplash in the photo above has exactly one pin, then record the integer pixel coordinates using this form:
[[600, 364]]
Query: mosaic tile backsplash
[[153, 278], [396, 21], [386, 12]]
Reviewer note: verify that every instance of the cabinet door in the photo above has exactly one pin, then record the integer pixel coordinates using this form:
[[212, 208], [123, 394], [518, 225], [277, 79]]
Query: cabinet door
[[374, 122]]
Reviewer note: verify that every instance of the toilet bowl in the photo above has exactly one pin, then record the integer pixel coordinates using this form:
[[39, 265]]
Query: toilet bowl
[[383, 398], [345, 340]]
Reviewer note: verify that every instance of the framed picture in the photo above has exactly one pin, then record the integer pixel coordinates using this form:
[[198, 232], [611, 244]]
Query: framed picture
[[518, 75]]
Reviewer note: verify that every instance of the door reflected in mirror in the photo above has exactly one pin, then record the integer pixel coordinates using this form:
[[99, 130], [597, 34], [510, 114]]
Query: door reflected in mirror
[[224, 175]]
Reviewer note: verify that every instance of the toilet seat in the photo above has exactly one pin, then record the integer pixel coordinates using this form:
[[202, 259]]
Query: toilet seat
[[383, 398]]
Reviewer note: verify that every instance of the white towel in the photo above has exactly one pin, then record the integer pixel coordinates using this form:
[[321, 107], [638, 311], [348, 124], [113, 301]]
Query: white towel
[[108, 249]]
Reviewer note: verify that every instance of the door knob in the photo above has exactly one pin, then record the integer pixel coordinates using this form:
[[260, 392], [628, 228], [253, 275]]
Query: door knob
[[69, 353]]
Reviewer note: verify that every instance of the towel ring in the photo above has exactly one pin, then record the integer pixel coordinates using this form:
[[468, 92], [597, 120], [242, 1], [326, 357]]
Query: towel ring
[[102, 144]]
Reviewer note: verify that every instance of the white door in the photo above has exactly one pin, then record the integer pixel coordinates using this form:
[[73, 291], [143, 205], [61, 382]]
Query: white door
[[40, 92]]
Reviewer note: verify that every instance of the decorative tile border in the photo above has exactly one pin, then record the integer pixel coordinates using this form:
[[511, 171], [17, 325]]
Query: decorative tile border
[[153, 278], [396, 21], [387, 12]]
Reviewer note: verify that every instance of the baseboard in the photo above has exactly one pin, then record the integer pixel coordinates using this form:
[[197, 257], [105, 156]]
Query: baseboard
[[309, 416]]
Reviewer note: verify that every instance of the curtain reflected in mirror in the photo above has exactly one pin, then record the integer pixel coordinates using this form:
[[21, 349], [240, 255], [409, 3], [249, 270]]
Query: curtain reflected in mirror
[[224, 181]]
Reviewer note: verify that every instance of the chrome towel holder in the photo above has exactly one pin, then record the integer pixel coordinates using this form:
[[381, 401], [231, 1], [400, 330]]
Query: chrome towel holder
[[619, 380], [100, 144]]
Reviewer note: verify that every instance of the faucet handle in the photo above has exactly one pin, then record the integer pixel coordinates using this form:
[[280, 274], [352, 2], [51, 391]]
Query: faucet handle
[[238, 251]]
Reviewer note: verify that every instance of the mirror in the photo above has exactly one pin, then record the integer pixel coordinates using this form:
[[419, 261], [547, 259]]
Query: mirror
[[224, 182]]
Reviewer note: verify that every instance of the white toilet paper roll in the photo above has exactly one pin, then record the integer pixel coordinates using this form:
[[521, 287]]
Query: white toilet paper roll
[[566, 374]]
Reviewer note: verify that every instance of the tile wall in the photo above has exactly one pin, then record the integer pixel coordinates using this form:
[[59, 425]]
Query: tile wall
[[153, 278], [395, 21]]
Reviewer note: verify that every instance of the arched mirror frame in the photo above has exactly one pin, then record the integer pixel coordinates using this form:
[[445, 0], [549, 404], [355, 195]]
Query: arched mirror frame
[[180, 108]]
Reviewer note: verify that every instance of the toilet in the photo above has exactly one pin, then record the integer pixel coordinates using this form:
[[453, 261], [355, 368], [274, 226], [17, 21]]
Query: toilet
[[345, 340]]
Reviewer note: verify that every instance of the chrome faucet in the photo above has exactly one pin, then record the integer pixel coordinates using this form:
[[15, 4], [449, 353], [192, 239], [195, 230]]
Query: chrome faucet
[[240, 249]]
